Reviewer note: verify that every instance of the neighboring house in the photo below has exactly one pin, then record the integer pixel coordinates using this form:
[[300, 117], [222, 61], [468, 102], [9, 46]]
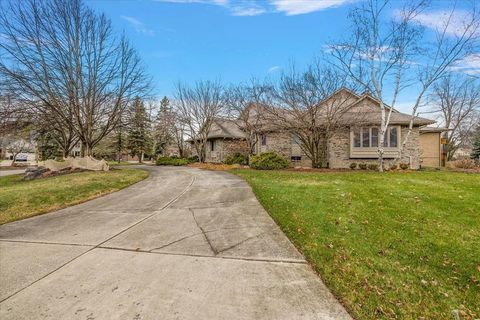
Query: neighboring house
[[355, 141]]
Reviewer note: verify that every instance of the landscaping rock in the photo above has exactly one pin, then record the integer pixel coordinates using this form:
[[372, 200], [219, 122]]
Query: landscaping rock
[[35, 172]]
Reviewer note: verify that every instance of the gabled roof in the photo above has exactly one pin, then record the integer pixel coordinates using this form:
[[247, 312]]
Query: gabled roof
[[231, 129], [225, 128]]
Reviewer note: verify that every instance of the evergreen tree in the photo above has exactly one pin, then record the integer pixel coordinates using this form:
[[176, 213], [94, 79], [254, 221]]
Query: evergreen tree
[[139, 141], [163, 127], [475, 154], [48, 147]]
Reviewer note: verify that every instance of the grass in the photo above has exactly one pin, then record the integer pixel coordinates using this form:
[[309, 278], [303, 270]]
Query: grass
[[22, 199], [389, 246]]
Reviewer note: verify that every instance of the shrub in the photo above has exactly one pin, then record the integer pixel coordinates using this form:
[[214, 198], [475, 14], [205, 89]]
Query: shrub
[[236, 158], [363, 166], [171, 161], [353, 165], [403, 166], [193, 159], [464, 164], [393, 167], [269, 161], [373, 166]]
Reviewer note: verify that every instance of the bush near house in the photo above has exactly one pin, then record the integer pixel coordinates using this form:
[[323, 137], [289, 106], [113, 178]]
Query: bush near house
[[353, 165], [236, 158], [464, 164], [268, 161], [363, 166]]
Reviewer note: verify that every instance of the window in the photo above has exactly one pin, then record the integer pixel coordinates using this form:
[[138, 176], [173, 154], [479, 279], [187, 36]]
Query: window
[[295, 139], [374, 137], [356, 138], [212, 145], [365, 137], [368, 137], [393, 137], [296, 158], [264, 139]]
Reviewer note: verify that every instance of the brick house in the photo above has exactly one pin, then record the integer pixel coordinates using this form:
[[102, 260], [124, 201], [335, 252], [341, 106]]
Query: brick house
[[355, 141]]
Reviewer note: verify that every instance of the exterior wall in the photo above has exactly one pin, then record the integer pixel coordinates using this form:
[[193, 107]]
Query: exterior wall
[[224, 148], [282, 143], [339, 150], [430, 149]]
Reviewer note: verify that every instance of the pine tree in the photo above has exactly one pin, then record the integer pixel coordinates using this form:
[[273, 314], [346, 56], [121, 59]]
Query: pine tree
[[139, 139], [119, 142], [163, 127], [475, 154]]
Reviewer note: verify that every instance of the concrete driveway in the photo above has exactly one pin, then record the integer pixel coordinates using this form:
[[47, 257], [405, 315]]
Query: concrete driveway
[[11, 172], [183, 244]]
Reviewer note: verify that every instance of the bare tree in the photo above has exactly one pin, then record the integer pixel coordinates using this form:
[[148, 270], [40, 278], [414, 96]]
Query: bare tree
[[457, 102], [62, 59], [311, 107], [197, 106], [178, 130], [245, 105], [18, 140], [386, 56]]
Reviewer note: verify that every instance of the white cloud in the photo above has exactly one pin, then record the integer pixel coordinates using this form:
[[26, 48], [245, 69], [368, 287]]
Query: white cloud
[[138, 26], [274, 69], [295, 7], [257, 7], [469, 65], [247, 11], [454, 24]]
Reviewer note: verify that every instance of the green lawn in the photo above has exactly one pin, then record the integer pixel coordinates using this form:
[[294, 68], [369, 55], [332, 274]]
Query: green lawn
[[22, 199], [389, 246]]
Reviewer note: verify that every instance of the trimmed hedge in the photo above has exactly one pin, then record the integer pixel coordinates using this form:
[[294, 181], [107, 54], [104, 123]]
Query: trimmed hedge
[[268, 161], [172, 161], [236, 158]]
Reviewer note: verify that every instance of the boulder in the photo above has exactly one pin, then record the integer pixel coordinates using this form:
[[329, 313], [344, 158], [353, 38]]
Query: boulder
[[35, 172]]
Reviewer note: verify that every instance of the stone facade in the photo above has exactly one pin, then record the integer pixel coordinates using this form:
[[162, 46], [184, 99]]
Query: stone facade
[[283, 144], [338, 150]]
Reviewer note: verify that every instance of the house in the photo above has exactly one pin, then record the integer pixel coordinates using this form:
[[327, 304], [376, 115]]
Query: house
[[355, 140], [225, 137]]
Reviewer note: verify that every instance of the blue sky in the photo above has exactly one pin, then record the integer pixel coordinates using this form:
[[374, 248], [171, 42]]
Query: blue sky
[[231, 40]]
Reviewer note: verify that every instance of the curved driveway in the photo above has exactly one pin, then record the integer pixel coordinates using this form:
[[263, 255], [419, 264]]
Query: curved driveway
[[182, 244]]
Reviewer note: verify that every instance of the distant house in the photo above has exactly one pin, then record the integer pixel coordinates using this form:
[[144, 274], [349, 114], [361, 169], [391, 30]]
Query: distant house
[[356, 141]]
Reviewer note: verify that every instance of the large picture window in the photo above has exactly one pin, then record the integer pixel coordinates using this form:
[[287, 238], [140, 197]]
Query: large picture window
[[367, 137]]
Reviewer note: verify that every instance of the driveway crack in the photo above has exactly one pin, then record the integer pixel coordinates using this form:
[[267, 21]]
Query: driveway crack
[[203, 232]]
